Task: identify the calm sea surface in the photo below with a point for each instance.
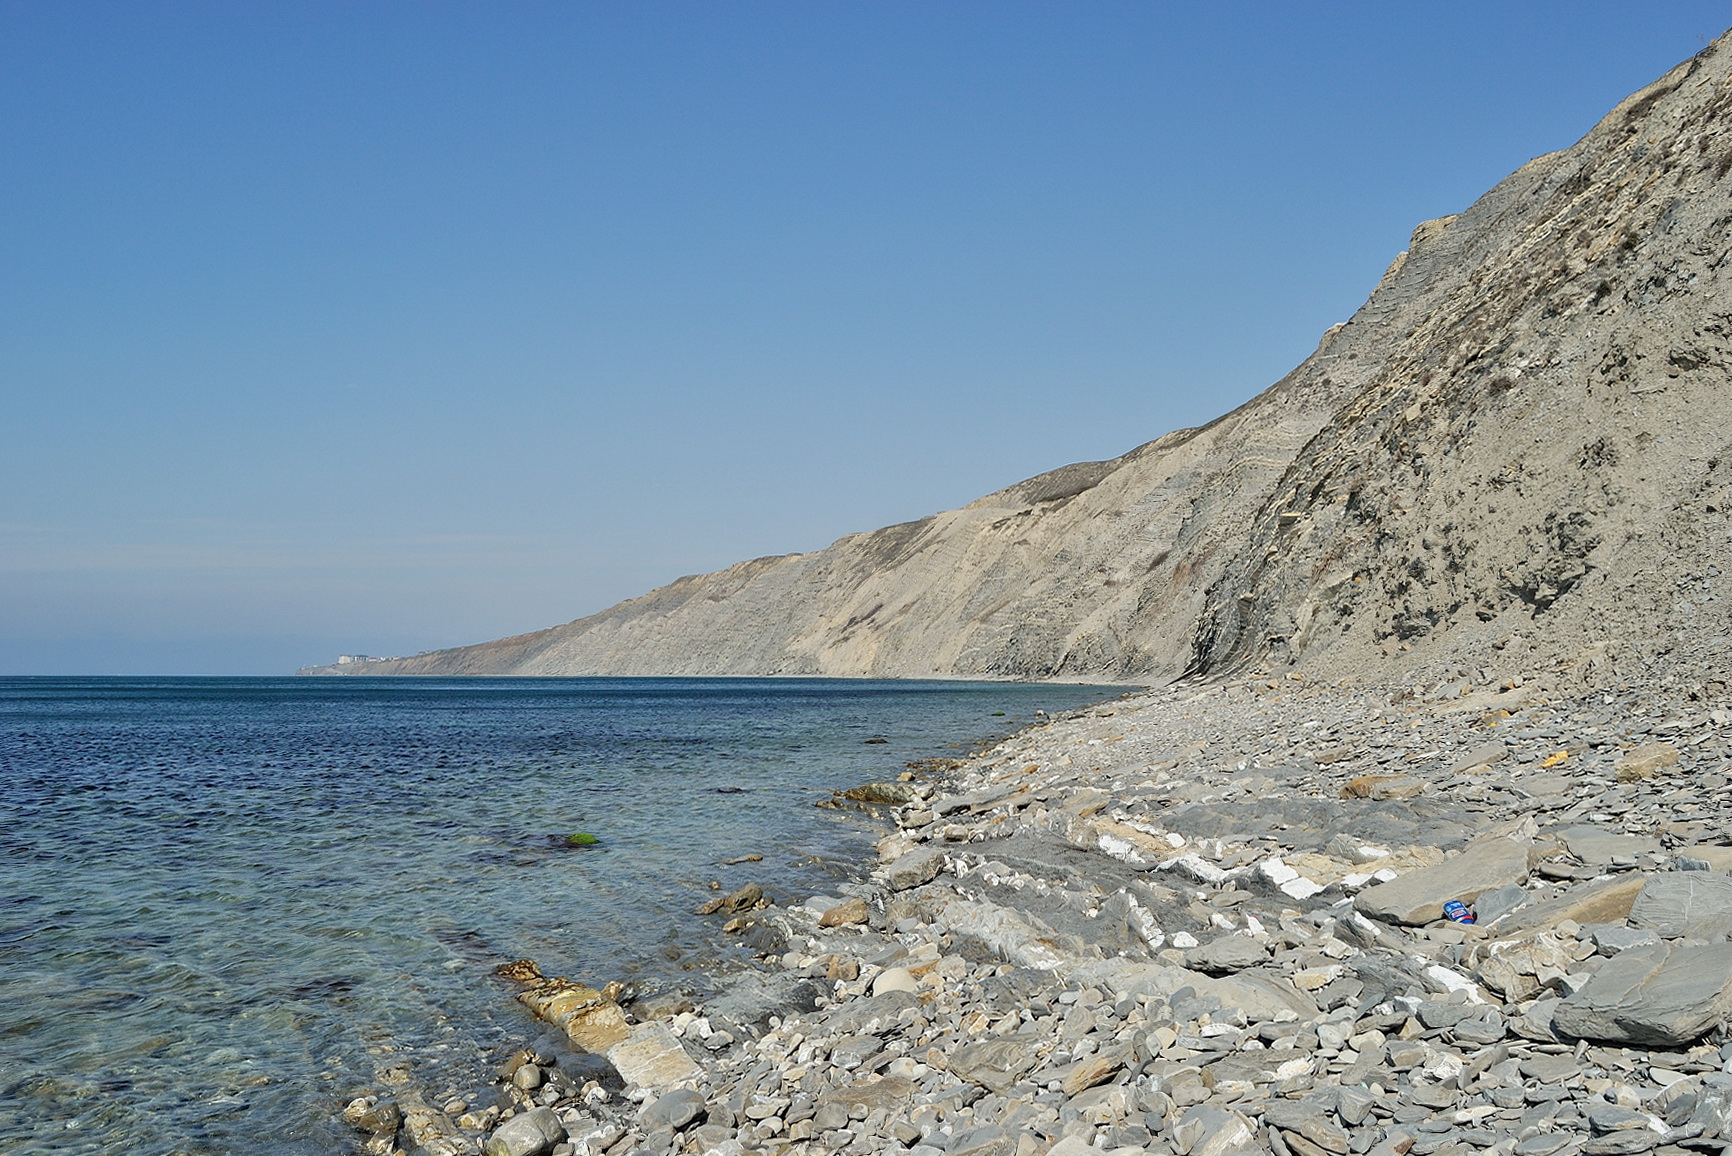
(226, 903)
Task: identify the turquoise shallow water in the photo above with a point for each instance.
(222, 900)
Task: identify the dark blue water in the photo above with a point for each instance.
(225, 904)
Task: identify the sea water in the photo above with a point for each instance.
(228, 904)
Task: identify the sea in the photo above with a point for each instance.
(228, 904)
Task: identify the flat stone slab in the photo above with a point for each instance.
(1259, 995)
(1661, 995)
(651, 1057)
(1602, 901)
(1685, 903)
(1008, 933)
(873, 1016)
(994, 1064)
(890, 1094)
(1417, 897)
(1599, 847)
(986, 1140)
(1229, 953)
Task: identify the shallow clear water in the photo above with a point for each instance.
(226, 903)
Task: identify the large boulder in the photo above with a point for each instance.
(1660, 995)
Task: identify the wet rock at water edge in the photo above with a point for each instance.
(742, 899)
(846, 913)
(913, 869)
(374, 1116)
(533, 1133)
(885, 794)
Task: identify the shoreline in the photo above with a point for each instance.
(1206, 919)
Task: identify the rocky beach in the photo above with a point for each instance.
(1201, 920)
(1421, 844)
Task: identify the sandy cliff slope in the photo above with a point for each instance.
(1522, 439)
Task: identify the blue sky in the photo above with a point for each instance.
(383, 327)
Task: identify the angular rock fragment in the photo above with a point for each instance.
(1645, 761)
(650, 1057)
(1600, 901)
(742, 899)
(1209, 1131)
(914, 868)
(592, 1021)
(673, 1110)
(995, 1064)
(1091, 1070)
(889, 1094)
(986, 1140)
(872, 1016)
(1227, 954)
(884, 793)
(846, 913)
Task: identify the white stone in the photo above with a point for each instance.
(1442, 979)
(1145, 926)
(1444, 1066)
(1121, 849)
(1276, 872)
(1195, 867)
(894, 979)
(1365, 926)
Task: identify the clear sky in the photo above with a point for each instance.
(381, 327)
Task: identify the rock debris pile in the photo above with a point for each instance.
(1210, 920)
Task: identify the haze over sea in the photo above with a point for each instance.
(227, 904)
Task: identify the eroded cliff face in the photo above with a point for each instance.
(1544, 465)
(1523, 438)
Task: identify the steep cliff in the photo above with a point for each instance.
(1543, 466)
(1523, 437)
